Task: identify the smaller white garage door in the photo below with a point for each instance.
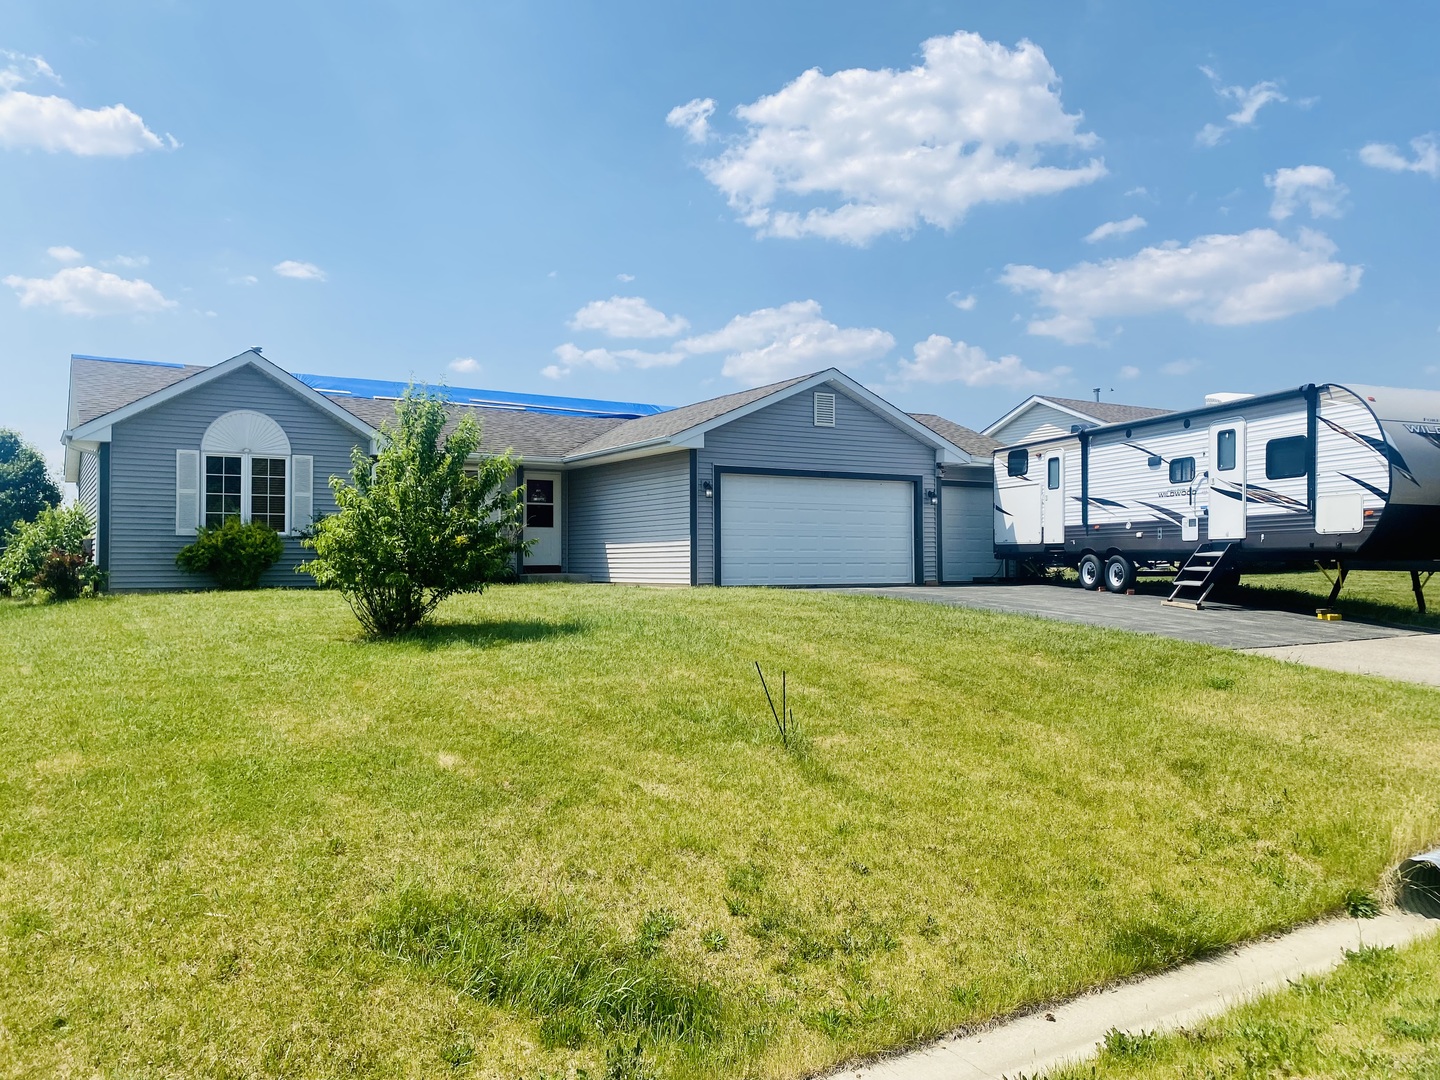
(967, 528)
(807, 530)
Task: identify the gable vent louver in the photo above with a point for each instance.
(824, 410)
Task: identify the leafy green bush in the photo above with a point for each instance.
(235, 555)
(413, 526)
(53, 535)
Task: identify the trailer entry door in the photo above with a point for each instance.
(1227, 480)
(1052, 498)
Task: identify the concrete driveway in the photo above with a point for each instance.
(1395, 652)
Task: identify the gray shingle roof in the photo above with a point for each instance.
(663, 425)
(972, 442)
(98, 387)
(529, 434)
(1107, 412)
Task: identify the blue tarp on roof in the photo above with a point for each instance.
(495, 399)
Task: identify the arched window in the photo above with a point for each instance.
(245, 462)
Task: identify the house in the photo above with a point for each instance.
(1042, 417)
(810, 481)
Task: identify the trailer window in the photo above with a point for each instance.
(1017, 463)
(1052, 474)
(1286, 458)
(1225, 450)
(1182, 470)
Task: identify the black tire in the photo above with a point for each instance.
(1091, 571)
(1119, 574)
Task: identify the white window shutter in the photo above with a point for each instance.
(302, 491)
(187, 492)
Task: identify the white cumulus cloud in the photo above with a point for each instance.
(964, 303)
(937, 359)
(85, 290)
(693, 118)
(1311, 186)
(301, 271)
(465, 365)
(1248, 101)
(860, 153)
(1222, 279)
(627, 317)
(64, 253)
(1180, 367)
(128, 262)
(1129, 371)
(792, 339)
(1426, 157)
(1115, 228)
(56, 124)
(571, 356)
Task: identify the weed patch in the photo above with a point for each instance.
(557, 965)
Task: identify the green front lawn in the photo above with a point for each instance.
(1378, 1015)
(236, 839)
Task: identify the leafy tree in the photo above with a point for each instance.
(25, 484)
(413, 528)
(234, 555)
(49, 553)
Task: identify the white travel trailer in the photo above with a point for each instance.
(1346, 476)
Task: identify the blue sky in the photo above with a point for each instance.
(656, 202)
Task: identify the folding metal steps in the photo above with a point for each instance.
(1199, 575)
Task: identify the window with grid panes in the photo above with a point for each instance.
(267, 492)
(222, 489)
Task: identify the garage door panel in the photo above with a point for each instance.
(805, 530)
(967, 532)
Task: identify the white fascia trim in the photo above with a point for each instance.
(652, 448)
(1031, 402)
(649, 446)
(249, 358)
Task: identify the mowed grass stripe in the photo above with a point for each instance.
(208, 804)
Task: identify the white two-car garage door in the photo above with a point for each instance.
(810, 530)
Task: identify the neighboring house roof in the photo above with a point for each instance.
(972, 442)
(1094, 412)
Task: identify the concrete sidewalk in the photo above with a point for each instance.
(1410, 659)
(1074, 1031)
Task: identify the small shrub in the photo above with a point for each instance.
(68, 577)
(32, 544)
(235, 555)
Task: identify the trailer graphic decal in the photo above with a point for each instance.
(1368, 487)
(1428, 432)
(1380, 446)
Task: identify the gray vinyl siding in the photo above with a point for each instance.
(87, 487)
(784, 436)
(630, 521)
(1037, 422)
(142, 540)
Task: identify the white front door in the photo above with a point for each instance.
(812, 530)
(542, 522)
(1227, 480)
(1052, 500)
